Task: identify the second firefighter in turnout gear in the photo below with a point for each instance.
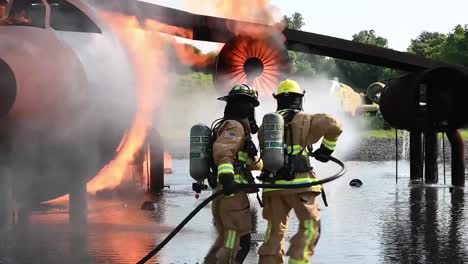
(234, 154)
(301, 131)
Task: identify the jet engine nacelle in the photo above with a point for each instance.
(258, 61)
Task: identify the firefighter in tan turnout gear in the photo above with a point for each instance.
(234, 154)
(301, 130)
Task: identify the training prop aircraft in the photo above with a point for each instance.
(67, 87)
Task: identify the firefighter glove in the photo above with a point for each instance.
(228, 183)
(323, 154)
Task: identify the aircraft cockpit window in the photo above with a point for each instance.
(67, 17)
(22, 13)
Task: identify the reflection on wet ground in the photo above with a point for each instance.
(376, 223)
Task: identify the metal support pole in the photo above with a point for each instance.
(6, 199)
(458, 157)
(431, 174)
(78, 202)
(24, 215)
(6, 186)
(157, 162)
(443, 154)
(148, 164)
(416, 156)
(396, 155)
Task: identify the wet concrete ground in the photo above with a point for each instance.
(376, 223)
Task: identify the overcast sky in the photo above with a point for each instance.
(397, 20)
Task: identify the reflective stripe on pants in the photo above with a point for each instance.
(232, 220)
(277, 207)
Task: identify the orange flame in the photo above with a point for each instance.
(156, 26)
(146, 52)
(189, 57)
(145, 46)
(185, 53)
(254, 11)
(258, 21)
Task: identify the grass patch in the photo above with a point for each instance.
(464, 133)
(382, 133)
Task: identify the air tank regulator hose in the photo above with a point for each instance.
(240, 187)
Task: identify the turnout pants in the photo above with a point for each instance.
(231, 215)
(277, 206)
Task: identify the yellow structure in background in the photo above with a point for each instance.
(350, 101)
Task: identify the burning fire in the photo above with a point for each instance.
(189, 57)
(146, 51)
(256, 57)
(145, 43)
(254, 11)
(185, 52)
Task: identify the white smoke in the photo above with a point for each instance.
(191, 105)
(184, 107)
(320, 99)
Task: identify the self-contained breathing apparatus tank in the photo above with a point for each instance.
(273, 144)
(200, 155)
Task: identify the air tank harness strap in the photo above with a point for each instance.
(212, 176)
(241, 167)
(297, 162)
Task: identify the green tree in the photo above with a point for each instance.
(428, 44)
(301, 62)
(451, 47)
(295, 21)
(305, 64)
(369, 37)
(455, 49)
(360, 75)
(186, 83)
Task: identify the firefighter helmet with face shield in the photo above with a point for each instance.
(242, 90)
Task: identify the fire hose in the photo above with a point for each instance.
(240, 187)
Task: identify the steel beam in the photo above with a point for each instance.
(215, 29)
